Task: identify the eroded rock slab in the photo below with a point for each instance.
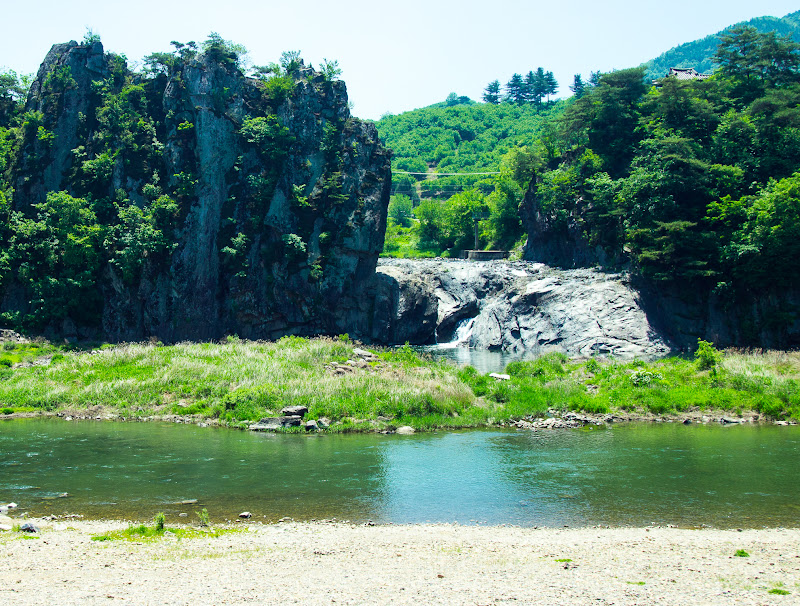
(523, 307)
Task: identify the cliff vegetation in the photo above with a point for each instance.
(186, 199)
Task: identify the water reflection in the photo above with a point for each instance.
(626, 475)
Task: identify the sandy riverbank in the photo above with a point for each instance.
(319, 563)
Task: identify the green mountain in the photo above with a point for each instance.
(464, 138)
(697, 54)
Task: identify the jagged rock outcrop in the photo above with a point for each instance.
(521, 306)
(264, 200)
(557, 239)
(681, 312)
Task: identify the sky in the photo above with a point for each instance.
(394, 56)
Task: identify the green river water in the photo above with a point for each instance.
(639, 474)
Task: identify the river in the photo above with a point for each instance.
(639, 474)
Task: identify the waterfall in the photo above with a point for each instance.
(462, 335)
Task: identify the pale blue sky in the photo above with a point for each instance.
(397, 56)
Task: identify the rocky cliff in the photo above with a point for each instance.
(682, 311)
(225, 204)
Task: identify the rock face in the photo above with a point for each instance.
(558, 241)
(683, 314)
(521, 306)
(280, 196)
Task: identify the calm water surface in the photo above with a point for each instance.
(625, 475)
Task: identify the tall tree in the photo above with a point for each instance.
(515, 90)
(491, 94)
(550, 85)
(578, 87)
(756, 61)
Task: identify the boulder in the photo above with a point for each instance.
(519, 307)
(294, 411)
(405, 430)
(274, 423)
(29, 527)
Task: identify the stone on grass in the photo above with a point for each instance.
(405, 430)
(292, 411)
(500, 377)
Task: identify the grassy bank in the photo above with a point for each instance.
(237, 382)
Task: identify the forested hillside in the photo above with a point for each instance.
(693, 184)
(699, 53)
(492, 145)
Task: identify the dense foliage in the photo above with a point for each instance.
(696, 179)
(693, 183)
(504, 139)
(699, 54)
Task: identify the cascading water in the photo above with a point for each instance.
(462, 334)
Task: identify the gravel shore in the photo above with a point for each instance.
(331, 563)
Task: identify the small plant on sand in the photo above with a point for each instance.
(741, 553)
(203, 515)
(777, 591)
(159, 521)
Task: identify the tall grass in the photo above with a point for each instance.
(241, 381)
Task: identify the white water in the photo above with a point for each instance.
(462, 335)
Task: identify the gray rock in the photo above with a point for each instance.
(274, 423)
(294, 411)
(311, 425)
(521, 307)
(245, 515)
(29, 527)
(405, 430)
(6, 527)
(304, 269)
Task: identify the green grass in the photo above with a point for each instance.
(741, 553)
(158, 530)
(238, 382)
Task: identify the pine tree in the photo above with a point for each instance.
(539, 88)
(515, 90)
(578, 87)
(550, 85)
(491, 93)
